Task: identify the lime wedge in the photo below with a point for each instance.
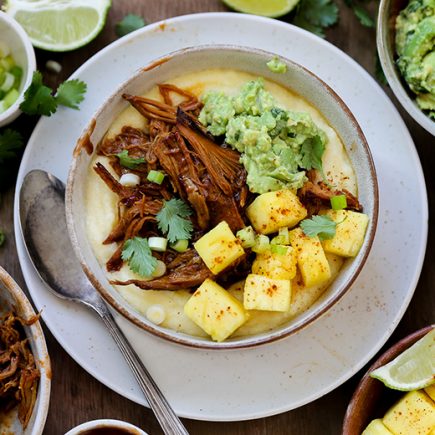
(59, 25)
(413, 369)
(266, 8)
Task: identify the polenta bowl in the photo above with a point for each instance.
(222, 197)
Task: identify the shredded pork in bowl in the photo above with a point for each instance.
(222, 207)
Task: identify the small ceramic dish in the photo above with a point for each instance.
(372, 398)
(12, 297)
(21, 48)
(253, 61)
(385, 39)
(106, 426)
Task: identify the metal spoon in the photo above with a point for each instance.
(43, 225)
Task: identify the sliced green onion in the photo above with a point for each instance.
(158, 244)
(11, 97)
(7, 62)
(3, 107)
(279, 249)
(180, 245)
(159, 270)
(8, 82)
(338, 202)
(283, 232)
(246, 236)
(17, 72)
(156, 176)
(262, 244)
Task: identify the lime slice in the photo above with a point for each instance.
(59, 25)
(266, 8)
(413, 369)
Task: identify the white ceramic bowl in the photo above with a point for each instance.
(304, 83)
(11, 296)
(385, 35)
(106, 424)
(21, 48)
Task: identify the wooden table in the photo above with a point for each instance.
(76, 396)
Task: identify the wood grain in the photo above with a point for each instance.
(76, 396)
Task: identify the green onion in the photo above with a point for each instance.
(338, 202)
(10, 78)
(155, 176)
(246, 236)
(158, 244)
(279, 249)
(180, 245)
(262, 244)
(8, 82)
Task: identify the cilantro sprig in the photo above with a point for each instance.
(127, 161)
(40, 100)
(312, 152)
(129, 23)
(322, 226)
(10, 142)
(316, 15)
(137, 253)
(172, 220)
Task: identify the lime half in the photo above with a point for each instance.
(266, 8)
(59, 25)
(413, 369)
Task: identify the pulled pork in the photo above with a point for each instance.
(205, 174)
(19, 375)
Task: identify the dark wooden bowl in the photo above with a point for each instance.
(371, 398)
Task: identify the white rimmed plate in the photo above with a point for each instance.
(237, 385)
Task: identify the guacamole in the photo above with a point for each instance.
(415, 46)
(277, 146)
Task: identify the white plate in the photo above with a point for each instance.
(239, 385)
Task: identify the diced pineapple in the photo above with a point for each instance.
(215, 310)
(312, 261)
(376, 427)
(430, 391)
(273, 210)
(349, 233)
(219, 248)
(414, 413)
(276, 266)
(262, 293)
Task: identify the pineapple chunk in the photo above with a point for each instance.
(312, 261)
(215, 310)
(273, 210)
(262, 293)
(349, 233)
(414, 413)
(219, 248)
(376, 427)
(276, 266)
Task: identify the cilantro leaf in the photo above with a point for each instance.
(312, 151)
(129, 23)
(10, 142)
(138, 254)
(316, 15)
(322, 226)
(172, 220)
(2, 238)
(127, 161)
(363, 16)
(71, 93)
(38, 99)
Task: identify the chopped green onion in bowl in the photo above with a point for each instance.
(10, 78)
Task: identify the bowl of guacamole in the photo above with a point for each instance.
(222, 198)
(406, 47)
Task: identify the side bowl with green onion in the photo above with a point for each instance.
(17, 64)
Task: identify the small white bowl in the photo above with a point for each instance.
(385, 35)
(122, 426)
(11, 296)
(24, 55)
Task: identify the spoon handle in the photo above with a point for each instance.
(166, 416)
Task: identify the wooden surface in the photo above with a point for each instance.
(76, 396)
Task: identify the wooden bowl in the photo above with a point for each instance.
(385, 40)
(253, 61)
(372, 398)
